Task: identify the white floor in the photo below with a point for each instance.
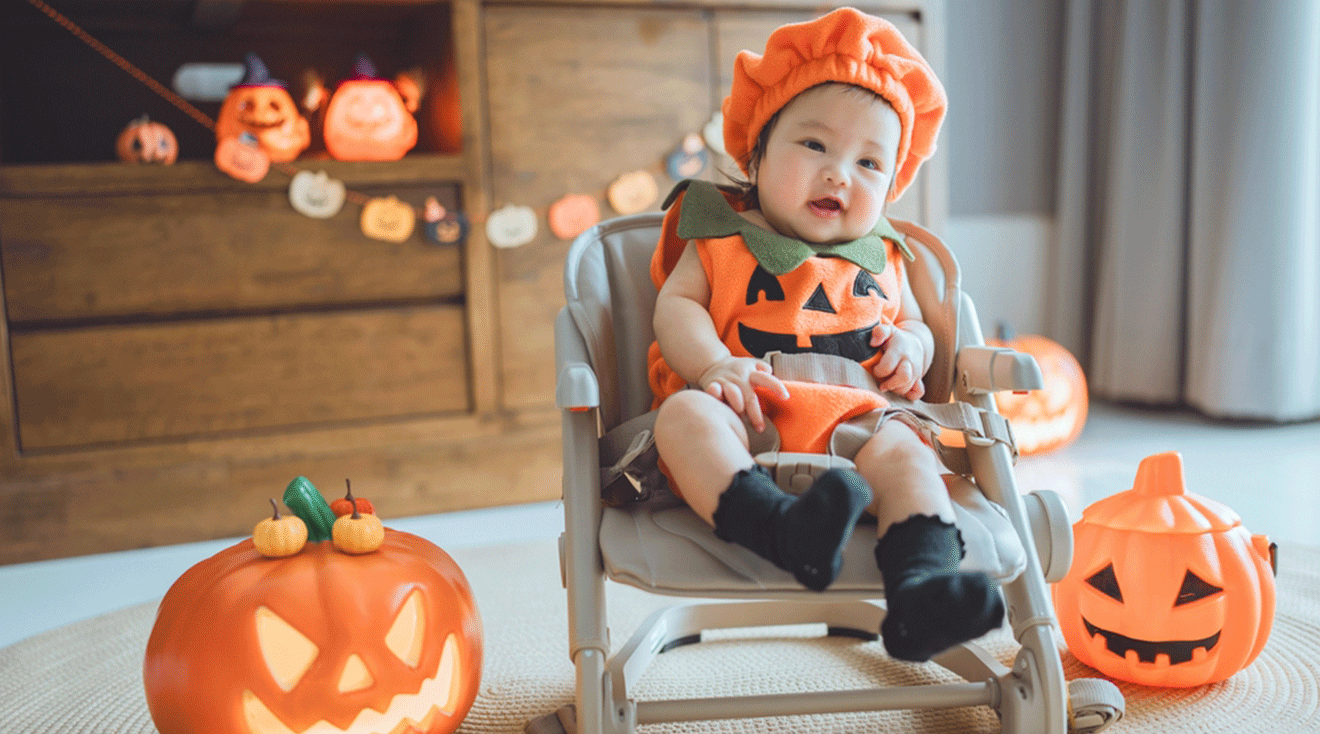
(1269, 474)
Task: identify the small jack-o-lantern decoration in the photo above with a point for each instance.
(263, 107)
(572, 215)
(1166, 588)
(369, 118)
(383, 641)
(316, 195)
(145, 141)
(633, 192)
(1052, 417)
(511, 226)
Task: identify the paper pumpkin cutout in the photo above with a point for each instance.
(242, 158)
(633, 192)
(146, 141)
(316, 195)
(688, 160)
(262, 106)
(386, 640)
(388, 219)
(1167, 588)
(572, 215)
(511, 226)
(452, 229)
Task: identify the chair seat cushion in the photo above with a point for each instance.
(663, 546)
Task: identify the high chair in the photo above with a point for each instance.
(659, 545)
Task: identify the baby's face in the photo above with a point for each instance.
(828, 165)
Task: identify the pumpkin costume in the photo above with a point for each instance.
(777, 294)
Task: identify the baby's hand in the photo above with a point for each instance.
(735, 379)
(899, 368)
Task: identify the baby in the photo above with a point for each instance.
(829, 125)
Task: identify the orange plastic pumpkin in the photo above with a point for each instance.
(1052, 417)
(384, 641)
(145, 141)
(369, 118)
(263, 107)
(1167, 588)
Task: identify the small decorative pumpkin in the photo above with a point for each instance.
(263, 107)
(386, 641)
(572, 215)
(345, 505)
(388, 219)
(1052, 417)
(358, 533)
(1167, 588)
(511, 226)
(369, 118)
(316, 195)
(279, 537)
(242, 158)
(633, 192)
(145, 141)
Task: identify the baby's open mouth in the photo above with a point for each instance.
(825, 205)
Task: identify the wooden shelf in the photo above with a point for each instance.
(46, 180)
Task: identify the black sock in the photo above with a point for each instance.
(803, 535)
(932, 606)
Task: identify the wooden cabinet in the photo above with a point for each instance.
(177, 345)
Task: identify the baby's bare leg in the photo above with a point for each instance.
(704, 443)
(931, 604)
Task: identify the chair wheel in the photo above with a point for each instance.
(1052, 532)
(1093, 704)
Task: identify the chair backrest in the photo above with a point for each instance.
(611, 299)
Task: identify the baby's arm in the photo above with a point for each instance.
(692, 348)
(908, 348)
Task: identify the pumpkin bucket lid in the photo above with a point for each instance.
(1159, 503)
(256, 74)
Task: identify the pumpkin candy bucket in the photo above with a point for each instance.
(374, 630)
(1166, 588)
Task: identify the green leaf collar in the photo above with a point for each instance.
(706, 213)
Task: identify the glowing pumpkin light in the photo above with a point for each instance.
(1052, 417)
(1167, 588)
(262, 107)
(379, 640)
(369, 118)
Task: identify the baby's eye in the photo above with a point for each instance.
(870, 163)
(815, 145)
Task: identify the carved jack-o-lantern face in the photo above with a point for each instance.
(1166, 588)
(270, 115)
(146, 141)
(842, 305)
(1053, 416)
(367, 120)
(381, 642)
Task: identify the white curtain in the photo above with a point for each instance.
(1187, 266)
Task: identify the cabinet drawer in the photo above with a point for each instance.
(124, 383)
(209, 252)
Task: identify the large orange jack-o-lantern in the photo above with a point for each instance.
(1167, 588)
(263, 107)
(356, 640)
(369, 118)
(1052, 417)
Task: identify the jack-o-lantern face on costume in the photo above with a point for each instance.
(267, 112)
(385, 641)
(1166, 588)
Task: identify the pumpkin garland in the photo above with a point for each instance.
(329, 637)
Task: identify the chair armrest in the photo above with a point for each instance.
(982, 370)
(575, 382)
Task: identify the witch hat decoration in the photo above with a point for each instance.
(363, 68)
(257, 75)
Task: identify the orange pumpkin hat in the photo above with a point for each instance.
(845, 46)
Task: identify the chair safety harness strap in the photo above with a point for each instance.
(630, 463)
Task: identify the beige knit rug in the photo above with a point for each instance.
(86, 678)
